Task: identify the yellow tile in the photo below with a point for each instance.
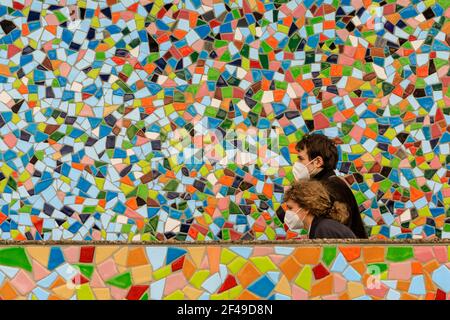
(65, 291)
(102, 293)
(121, 256)
(355, 290)
(197, 254)
(104, 252)
(40, 254)
(283, 286)
(122, 269)
(192, 293)
(141, 274)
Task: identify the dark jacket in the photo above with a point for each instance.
(339, 191)
(327, 228)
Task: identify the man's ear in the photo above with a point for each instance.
(320, 161)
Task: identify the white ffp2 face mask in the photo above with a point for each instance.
(292, 220)
(301, 171)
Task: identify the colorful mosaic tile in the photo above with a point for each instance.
(90, 93)
(263, 272)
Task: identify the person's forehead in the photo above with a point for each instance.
(291, 203)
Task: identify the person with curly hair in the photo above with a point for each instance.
(310, 207)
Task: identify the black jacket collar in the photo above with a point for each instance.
(324, 174)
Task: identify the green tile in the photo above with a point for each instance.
(86, 270)
(329, 253)
(122, 281)
(84, 292)
(264, 264)
(304, 278)
(237, 265)
(397, 254)
(15, 257)
(177, 295)
(226, 256)
(162, 272)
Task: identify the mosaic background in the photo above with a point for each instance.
(192, 272)
(90, 91)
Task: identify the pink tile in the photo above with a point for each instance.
(72, 254)
(339, 283)
(118, 294)
(380, 290)
(262, 251)
(331, 297)
(39, 272)
(400, 271)
(10, 140)
(205, 263)
(107, 269)
(321, 122)
(356, 133)
(96, 281)
(441, 253)
(276, 258)
(174, 282)
(298, 293)
(423, 254)
(23, 283)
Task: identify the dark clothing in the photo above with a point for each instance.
(339, 191)
(327, 228)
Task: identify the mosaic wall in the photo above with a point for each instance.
(225, 272)
(90, 93)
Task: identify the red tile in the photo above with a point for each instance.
(87, 254)
(320, 271)
(229, 283)
(178, 264)
(440, 295)
(136, 292)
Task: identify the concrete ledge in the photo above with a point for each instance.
(396, 242)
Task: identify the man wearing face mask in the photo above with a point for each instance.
(317, 160)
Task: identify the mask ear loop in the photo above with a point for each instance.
(303, 219)
(314, 167)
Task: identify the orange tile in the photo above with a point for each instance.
(188, 268)
(213, 258)
(429, 284)
(403, 285)
(248, 274)
(289, 267)
(336, 70)
(350, 252)
(7, 292)
(430, 296)
(322, 287)
(407, 296)
(359, 266)
(137, 257)
(416, 267)
(307, 255)
(431, 266)
(246, 295)
(59, 282)
(344, 296)
(307, 85)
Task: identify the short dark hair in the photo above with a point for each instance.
(320, 145)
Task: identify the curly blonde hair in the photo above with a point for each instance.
(311, 195)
